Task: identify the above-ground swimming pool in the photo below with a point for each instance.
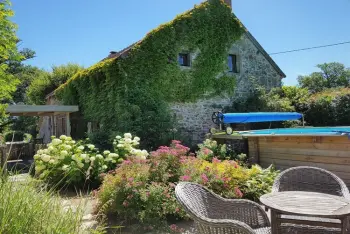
(316, 131)
(324, 147)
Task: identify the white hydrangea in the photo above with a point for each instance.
(63, 137)
(51, 148)
(40, 152)
(104, 167)
(113, 155)
(120, 145)
(128, 140)
(45, 157)
(52, 161)
(56, 141)
(137, 139)
(92, 159)
(127, 135)
(83, 156)
(68, 138)
(118, 137)
(106, 152)
(81, 147)
(91, 147)
(73, 142)
(99, 156)
(80, 164)
(145, 153)
(68, 147)
(64, 153)
(87, 160)
(65, 168)
(36, 156)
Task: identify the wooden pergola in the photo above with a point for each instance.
(43, 110)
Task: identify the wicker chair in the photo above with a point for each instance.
(214, 214)
(310, 179)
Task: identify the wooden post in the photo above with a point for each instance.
(3, 158)
(68, 129)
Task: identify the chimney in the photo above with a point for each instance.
(229, 3)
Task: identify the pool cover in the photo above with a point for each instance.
(259, 117)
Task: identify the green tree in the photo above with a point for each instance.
(332, 75)
(8, 52)
(46, 82)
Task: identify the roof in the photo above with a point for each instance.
(124, 52)
(265, 54)
(40, 110)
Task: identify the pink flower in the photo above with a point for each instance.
(238, 192)
(175, 142)
(207, 151)
(204, 178)
(131, 179)
(127, 162)
(147, 193)
(125, 203)
(185, 178)
(216, 160)
(173, 227)
(177, 209)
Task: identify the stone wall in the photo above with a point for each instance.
(194, 119)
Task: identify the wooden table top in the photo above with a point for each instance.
(307, 204)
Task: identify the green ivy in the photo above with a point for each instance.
(133, 93)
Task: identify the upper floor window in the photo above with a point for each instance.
(232, 63)
(184, 59)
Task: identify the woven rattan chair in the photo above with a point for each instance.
(213, 214)
(310, 179)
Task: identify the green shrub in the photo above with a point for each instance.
(210, 149)
(14, 136)
(26, 208)
(329, 108)
(67, 162)
(143, 190)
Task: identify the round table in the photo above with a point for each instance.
(306, 204)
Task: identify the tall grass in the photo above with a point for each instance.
(29, 207)
(26, 207)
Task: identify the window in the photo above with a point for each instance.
(232, 63)
(184, 59)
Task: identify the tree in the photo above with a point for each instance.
(332, 75)
(8, 52)
(47, 82)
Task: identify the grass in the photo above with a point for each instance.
(26, 207)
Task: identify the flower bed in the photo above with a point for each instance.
(143, 190)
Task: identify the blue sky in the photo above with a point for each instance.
(85, 31)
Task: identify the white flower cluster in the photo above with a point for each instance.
(64, 154)
(127, 146)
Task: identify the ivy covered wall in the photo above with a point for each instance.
(133, 93)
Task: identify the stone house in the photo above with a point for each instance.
(245, 59)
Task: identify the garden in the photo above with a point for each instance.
(135, 189)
